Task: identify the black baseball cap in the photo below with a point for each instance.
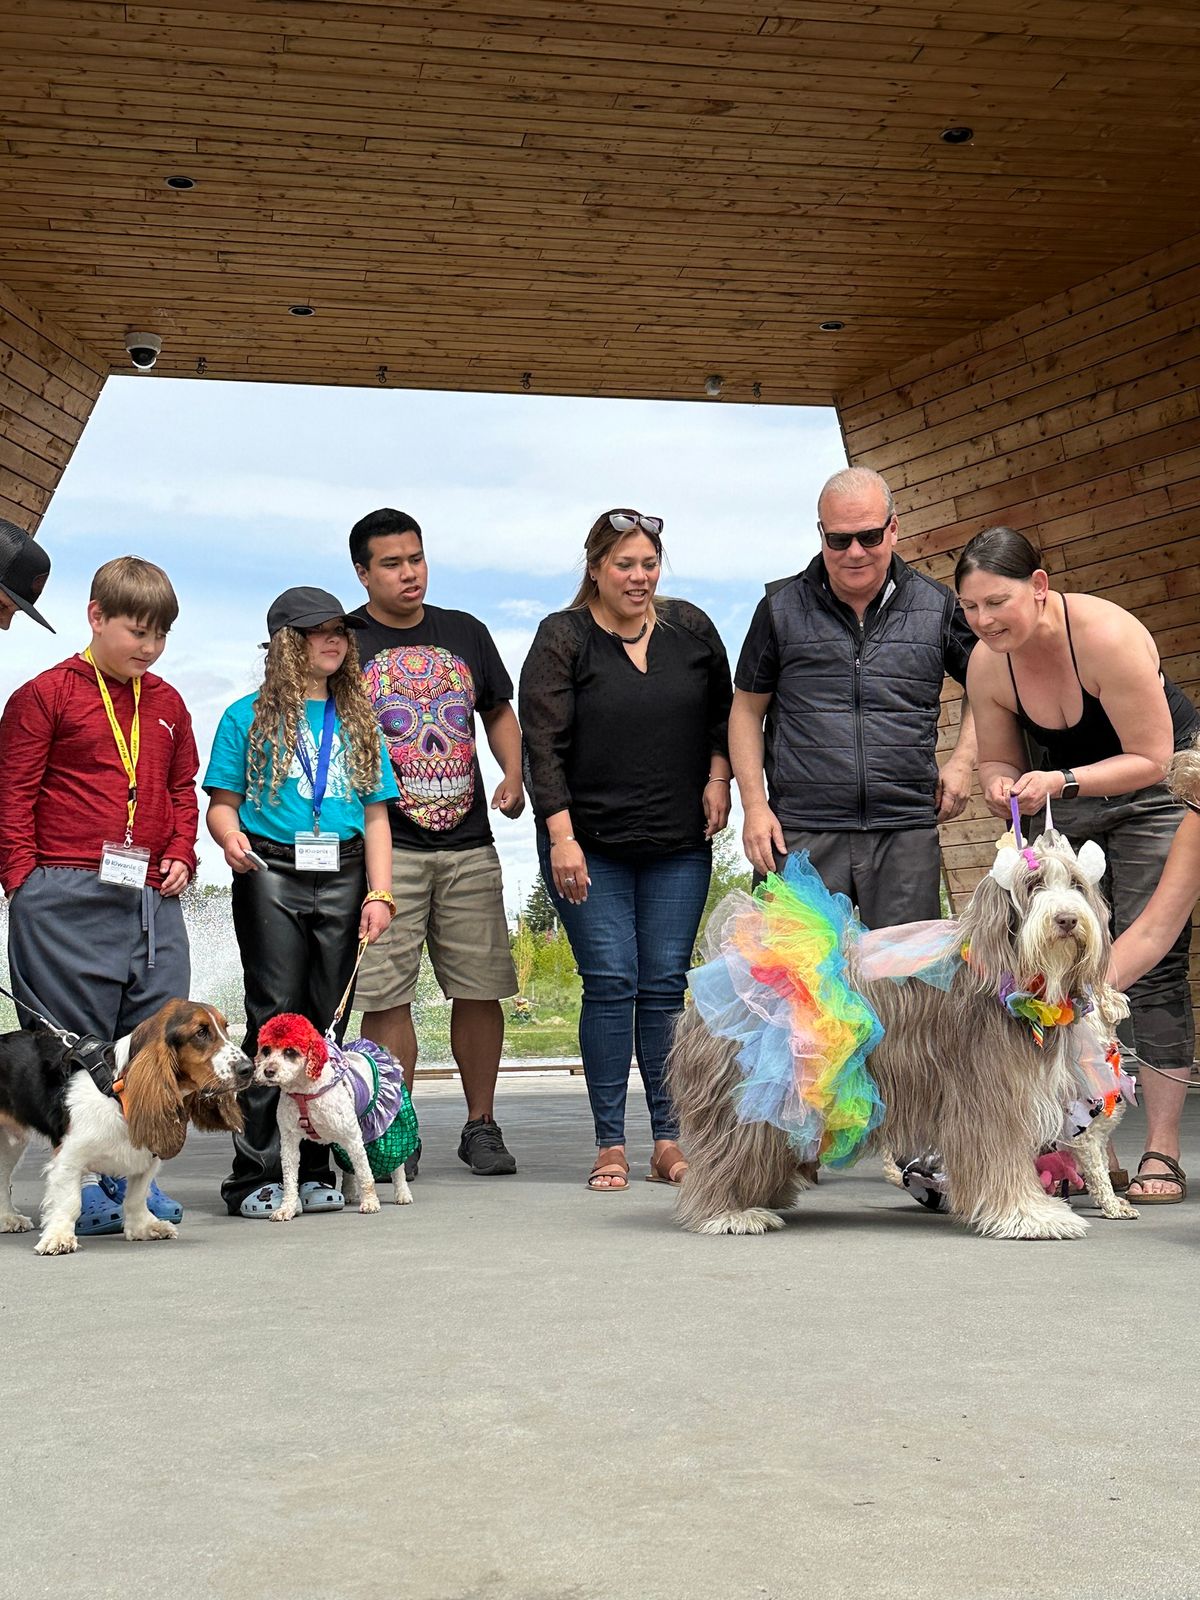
(24, 568)
(308, 608)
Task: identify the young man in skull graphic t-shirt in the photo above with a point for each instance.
(433, 675)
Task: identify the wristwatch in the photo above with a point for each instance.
(1070, 786)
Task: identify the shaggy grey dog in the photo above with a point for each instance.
(956, 1072)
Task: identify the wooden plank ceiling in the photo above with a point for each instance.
(610, 198)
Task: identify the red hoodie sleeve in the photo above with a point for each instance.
(26, 732)
(181, 787)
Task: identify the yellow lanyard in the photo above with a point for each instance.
(127, 752)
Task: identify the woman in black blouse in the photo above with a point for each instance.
(624, 701)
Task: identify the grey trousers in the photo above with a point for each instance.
(98, 958)
(890, 876)
(1135, 832)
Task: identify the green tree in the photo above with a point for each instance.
(539, 910)
(524, 943)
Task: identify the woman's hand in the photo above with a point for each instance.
(716, 806)
(1033, 789)
(996, 794)
(568, 868)
(236, 846)
(376, 918)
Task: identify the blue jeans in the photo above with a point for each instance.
(632, 940)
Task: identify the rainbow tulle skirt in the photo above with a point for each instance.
(776, 982)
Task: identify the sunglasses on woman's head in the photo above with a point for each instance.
(869, 538)
(627, 521)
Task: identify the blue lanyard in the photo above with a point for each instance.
(319, 781)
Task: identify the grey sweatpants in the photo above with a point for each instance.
(891, 877)
(81, 951)
(1135, 832)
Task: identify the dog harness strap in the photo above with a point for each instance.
(302, 1100)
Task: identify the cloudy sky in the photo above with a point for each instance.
(241, 490)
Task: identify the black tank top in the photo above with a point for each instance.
(1093, 737)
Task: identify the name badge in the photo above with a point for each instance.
(318, 852)
(126, 864)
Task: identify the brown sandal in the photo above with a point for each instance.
(615, 1168)
(1174, 1174)
(669, 1167)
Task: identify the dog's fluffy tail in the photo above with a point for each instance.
(739, 1174)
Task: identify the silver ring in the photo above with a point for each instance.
(568, 880)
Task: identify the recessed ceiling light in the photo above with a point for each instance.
(301, 311)
(178, 181)
(832, 326)
(959, 135)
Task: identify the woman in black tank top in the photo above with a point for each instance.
(1079, 713)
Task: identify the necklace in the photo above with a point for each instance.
(637, 638)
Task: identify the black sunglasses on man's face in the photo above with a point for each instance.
(869, 538)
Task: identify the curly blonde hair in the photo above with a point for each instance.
(279, 714)
(1183, 775)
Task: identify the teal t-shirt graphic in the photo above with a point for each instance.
(291, 812)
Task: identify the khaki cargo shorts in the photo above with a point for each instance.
(452, 901)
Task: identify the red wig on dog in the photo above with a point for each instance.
(290, 1032)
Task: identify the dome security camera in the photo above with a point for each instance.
(143, 349)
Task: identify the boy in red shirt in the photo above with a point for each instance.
(98, 822)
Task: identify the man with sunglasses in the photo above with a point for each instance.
(845, 663)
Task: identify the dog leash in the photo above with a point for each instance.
(345, 1000)
(67, 1037)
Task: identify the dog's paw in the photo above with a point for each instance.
(57, 1242)
(370, 1204)
(154, 1228)
(1054, 1222)
(1118, 1210)
(403, 1194)
(15, 1222)
(755, 1220)
(286, 1212)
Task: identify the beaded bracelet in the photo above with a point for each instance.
(383, 897)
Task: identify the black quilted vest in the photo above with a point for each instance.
(852, 730)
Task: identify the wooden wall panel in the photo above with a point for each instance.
(1077, 421)
(48, 385)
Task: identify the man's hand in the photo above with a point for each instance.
(509, 798)
(953, 789)
(762, 838)
(376, 918)
(175, 877)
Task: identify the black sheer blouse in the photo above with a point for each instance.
(626, 752)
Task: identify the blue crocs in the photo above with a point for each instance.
(316, 1196)
(100, 1213)
(263, 1201)
(160, 1205)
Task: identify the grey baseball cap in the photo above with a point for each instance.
(308, 608)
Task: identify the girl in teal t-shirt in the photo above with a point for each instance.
(297, 777)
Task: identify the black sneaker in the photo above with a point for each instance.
(412, 1165)
(482, 1148)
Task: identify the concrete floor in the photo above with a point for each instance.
(517, 1390)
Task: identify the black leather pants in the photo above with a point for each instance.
(298, 937)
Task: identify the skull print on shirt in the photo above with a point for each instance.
(424, 698)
